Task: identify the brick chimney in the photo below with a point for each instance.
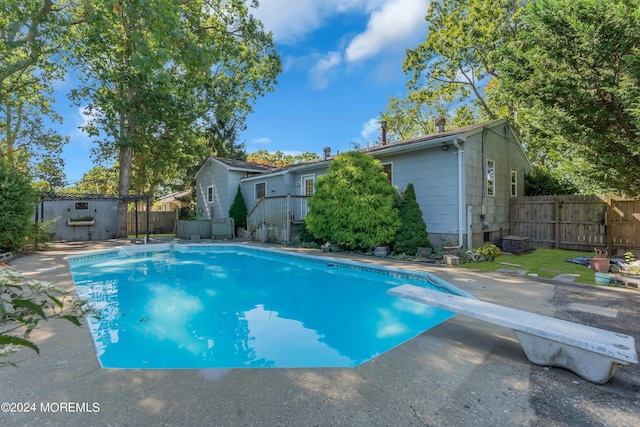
(327, 152)
(383, 128)
(440, 122)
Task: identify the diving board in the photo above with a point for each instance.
(592, 353)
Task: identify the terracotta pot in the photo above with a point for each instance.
(600, 265)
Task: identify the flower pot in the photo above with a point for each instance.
(603, 279)
(600, 265)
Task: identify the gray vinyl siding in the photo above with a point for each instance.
(504, 150)
(225, 183)
(433, 173)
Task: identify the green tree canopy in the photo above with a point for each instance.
(453, 73)
(542, 182)
(34, 36)
(154, 72)
(577, 78)
(279, 158)
(353, 204)
(16, 207)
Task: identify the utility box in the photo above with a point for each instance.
(515, 244)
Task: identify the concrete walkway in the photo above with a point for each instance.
(463, 372)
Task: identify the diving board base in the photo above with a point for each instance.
(591, 366)
(593, 354)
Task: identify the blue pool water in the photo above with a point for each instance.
(223, 307)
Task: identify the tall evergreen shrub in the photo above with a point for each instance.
(17, 200)
(413, 230)
(238, 210)
(352, 204)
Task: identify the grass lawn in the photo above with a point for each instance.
(546, 263)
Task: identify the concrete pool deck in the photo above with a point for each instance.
(462, 372)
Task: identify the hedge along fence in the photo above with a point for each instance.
(578, 222)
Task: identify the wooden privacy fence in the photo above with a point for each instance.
(577, 222)
(160, 222)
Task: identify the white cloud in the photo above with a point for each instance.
(371, 129)
(396, 22)
(291, 20)
(323, 69)
(263, 140)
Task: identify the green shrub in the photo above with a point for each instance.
(238, 210)
(488, 251)
(16, 207)
(25, 303)
(353, 204)
(413, 230)
(542, 182)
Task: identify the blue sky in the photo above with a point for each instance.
(342, 59)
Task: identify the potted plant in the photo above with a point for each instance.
(600, 262)
(488, 251)
(326, 246)
(450, 247)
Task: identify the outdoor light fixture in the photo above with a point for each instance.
(445, 147)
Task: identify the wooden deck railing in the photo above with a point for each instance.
(282, 211)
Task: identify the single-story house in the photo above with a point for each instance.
(217, 182)
(173, 201)
(463, 179)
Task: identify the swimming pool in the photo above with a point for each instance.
(225, 306)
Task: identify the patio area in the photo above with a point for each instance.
(462, 372)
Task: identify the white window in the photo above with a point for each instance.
(514, 183)
(260, 190)
(210, 194)
(491, 178)
(307, 185)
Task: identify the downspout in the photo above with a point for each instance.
(461, 211)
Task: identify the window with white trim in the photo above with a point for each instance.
(260, 190)
(210, 194)
(491, 178)
(307, 185)
(514, 182)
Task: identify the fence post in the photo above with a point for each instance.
(557, 224)
(288, 220)
(608, 215)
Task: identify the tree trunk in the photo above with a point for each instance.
(126, 157)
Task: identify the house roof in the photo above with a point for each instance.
(173, 196)
(393, 147)
(237, 165)
(439, 136)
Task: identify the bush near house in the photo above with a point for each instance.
(353, 204)
(238, 210)
(413, 230)
(16, 207)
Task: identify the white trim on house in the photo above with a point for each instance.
(303, 184)
(211, 193)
